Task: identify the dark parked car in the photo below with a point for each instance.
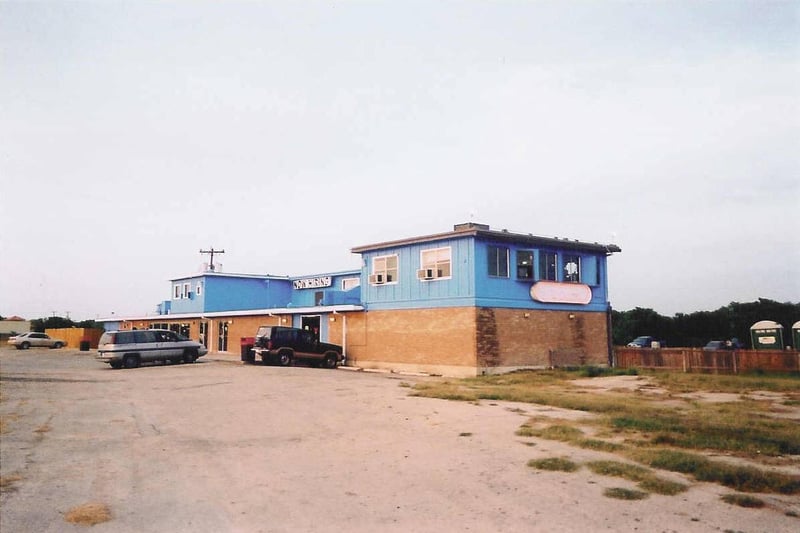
(283, 345)
(732, 344)
(645, 341)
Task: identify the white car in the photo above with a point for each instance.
(23, 341)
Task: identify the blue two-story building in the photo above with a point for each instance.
(464, 302)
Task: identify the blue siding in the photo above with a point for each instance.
(333, 295)
(234, 294)
(410, 292)
(515, 293)
(471, 284)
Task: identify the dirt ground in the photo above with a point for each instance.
(218, 446)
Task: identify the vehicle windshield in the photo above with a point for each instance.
(263, 331)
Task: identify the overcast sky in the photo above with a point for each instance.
(132, 134)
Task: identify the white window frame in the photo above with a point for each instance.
(436, 260)
(350, 283)
(186, 288)
(389, 275)
(176, 291)
(198, 290)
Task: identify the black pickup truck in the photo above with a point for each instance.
(283, 345)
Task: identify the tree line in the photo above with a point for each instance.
(696, 329)
(56, 322)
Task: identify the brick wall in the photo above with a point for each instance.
(415, 339)
(509, 338)
(470, 341)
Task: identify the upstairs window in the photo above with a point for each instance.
(185, 290)
(384, 270)
(199, 289)
(435, 264)
(176, 292)
(525, 264)
(547, 266)
(350, 283)
(498, 261)
(572, 268)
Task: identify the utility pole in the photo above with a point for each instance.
(212, 251)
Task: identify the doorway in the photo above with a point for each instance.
(311, 323)
(222, 337)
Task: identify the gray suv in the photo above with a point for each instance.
(130, 349)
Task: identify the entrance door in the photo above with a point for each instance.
(204, 333)
(222, 338)
(311, 323)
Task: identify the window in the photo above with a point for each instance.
(384, 270)
(572, 268)
(434, 264)
(319, 297)
(199, 289)
(176, 291)
(525, 264)
(185, 290)
(350, 283)
(547, 266)
(498, 261)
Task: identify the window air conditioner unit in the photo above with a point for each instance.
(428, 273)
(376, 279)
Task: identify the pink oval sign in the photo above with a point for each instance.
(561, 293)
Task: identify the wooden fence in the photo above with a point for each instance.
(74, 336)
(709, 361)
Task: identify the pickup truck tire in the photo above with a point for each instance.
(285, 358)
(331, 360)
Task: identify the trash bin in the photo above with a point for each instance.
(85, 345)
(247, 344)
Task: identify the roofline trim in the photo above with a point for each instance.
(503, 235)
(249, 312)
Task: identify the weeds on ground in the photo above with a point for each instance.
(657, 433)
(559, 464)
(625, 494)
(647, 481)
(743, 500)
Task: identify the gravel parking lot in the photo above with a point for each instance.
(218, 446)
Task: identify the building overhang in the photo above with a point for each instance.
(482, 231)
(311, 310)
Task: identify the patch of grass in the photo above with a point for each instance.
(743, 500)
(743, 428)
(741, 478)
(599, 445)
(559, 464)
(88, 514)
(647, 481)
(625, 494)
(617, 469)
(662, 486)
